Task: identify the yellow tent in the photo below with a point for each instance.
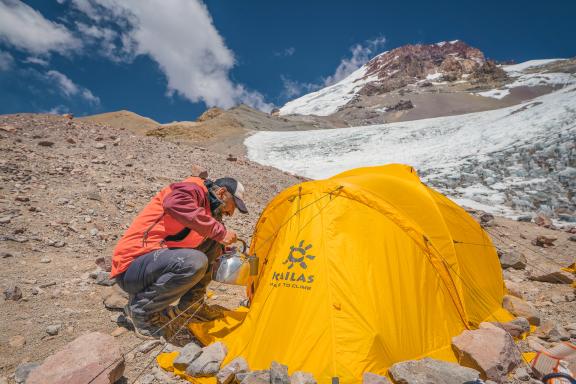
(360, 271)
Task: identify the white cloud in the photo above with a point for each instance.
(26, 29)
(89, 96)
(108, 41)
(36, 60)
(68, 88)
(360, 55)
(292, 88)
(180, 37)
(6, 61)
(58, 110)
(285, 52)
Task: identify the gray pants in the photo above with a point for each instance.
(158, 278)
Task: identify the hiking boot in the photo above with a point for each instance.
(199, 311)
(152, 327)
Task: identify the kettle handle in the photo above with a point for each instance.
(243, 245)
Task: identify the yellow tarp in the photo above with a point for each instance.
(572, 269)
(360, 271)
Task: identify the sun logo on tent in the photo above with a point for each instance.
(298, 255)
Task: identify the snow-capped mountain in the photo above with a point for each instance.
(513, 160)
(422, 81)
(389, 71)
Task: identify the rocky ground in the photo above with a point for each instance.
(70, 188)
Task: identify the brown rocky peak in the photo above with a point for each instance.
(209, 114)
(418, 60)
(411, 63)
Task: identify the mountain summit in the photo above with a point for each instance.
(421, 81)
(415, 64)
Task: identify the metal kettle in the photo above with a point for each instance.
(235, 267)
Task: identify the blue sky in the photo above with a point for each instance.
(170, 59)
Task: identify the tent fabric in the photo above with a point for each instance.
(360, 271)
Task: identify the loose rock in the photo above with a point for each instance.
(522, 374)
(81, 361)
(551, 331)
(227, 374)
(118, 331)
(489, 348)
(148, 346)
(487, 220)
(208, 363)
(147, 379)
(431, 371)
(514, 289)
(199, 171)
(279, 373)
(512, 259)
(551, 274)
(13, 293)
(544, 241)
(53, 329)
(515, 327)
(23, 371)
(187, 355)
(115, 301)
(103, 278)
(372, 378)
(300, 377)
(543, 221)
(521, 308)
(254, 377)
(17, 341)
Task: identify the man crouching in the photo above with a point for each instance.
(167, 251)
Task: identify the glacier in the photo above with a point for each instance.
(502, 161)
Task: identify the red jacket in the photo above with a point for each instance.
(178, 216)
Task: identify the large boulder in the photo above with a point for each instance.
(489, 349)
(521, 308)
(431, 371)
(91, 358)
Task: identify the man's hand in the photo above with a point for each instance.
(230, 237)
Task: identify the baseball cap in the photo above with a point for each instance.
(236, 189)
